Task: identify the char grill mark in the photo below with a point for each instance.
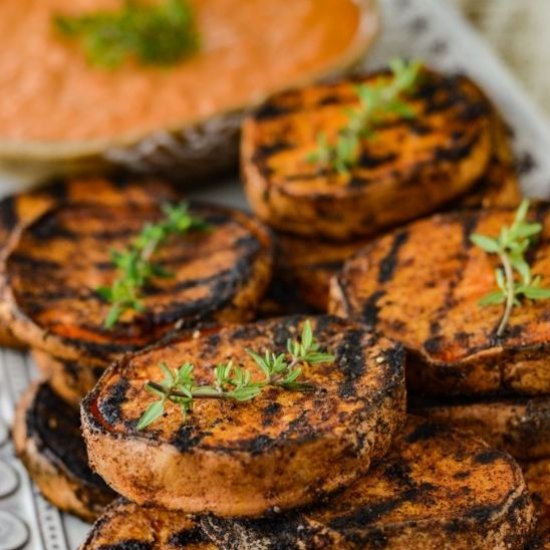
(186, 438)
(57, 426)
(128, 526)
(8, 217)
(352, 525)
(272, 110)
(349, 357)
(271, 433)
(188, 536)
(111, 406)
(436, 95)
(468, 224)
(284, 331)
(457, 151)
(269, 412)
(130, 544)
(487, 457)
(439, 95)
(405, 502)
(283, 532)
(431, 304)
(194, 297)
(371, 308)
(34, 265)
(423, 432)
(100, 349)
(390, 262)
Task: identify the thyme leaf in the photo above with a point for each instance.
(135, 266)
(154, 33)
(376, 102)
(234, 382)
(513, 278)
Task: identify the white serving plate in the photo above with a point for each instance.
(430, 30)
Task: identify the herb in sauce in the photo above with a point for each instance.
(376, 102)
(234, 382)
(514, 278)
(135, 265)
(155, 34)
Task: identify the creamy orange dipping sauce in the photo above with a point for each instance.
(49, 92)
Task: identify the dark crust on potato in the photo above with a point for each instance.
(58, 261)
(436, 488)
(449, 140)
(499, 187)
(49, 443)
(520, 426)
(281, 299)
(271, 452)
(421, 285)
(307, 265)
(127, 526)
(21, 209)
(71, 380)
(537, 476)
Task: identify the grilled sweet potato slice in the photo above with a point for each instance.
(281, 299)
(57, 263)
(537, 476)
(409, 169)
(436, 489)
(279, 450)
(520, 426)
(499, 186)
(48, 440)
(127, 526)
(70, 380)
(307, 265)
(18, 210)
(421, 285)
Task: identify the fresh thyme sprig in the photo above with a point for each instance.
(234, 382)
(376, 102)
(514, 278)
(135, 266)
(155, 33)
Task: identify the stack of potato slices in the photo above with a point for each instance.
(57, 257)
(454, 152)
(223, 426)
(460, 369)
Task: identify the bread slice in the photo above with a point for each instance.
(127, 526)
(21, 209)
(57, 263)
(437, 489)
(422, 283)
(520, 426)
(410, 168)
(279, 450)
(70, 380)
(47, 439)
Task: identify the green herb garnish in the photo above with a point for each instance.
(135, 264)
(376, 102)
(233, 382)
(154, 33)
(513, 278)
